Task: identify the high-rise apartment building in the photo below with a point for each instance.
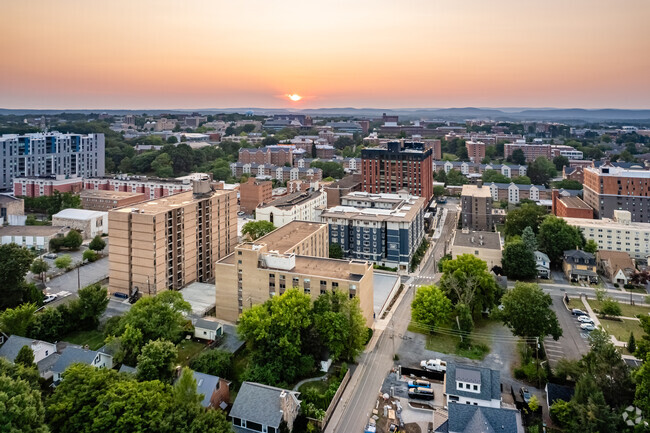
(254, 193)
(169, 242)
(50, 155)
(401, 165)
(293, 256)
(531, 151)
(475, 150)
(476, 207)
(609, 188)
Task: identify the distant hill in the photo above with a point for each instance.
(506, 114)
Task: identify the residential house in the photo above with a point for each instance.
(44, 352)
(579, 266)
(215, 390)
(484, 245)
(74, 354)
(478, 386)
(543, 265)
(556, 392)
(616, 266)
(207, 329)
(463, 418)
(262, 408)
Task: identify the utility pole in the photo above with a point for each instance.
(537, 359)
(78, 279)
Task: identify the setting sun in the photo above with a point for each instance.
(295, 97)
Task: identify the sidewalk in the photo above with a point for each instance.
(594, 317)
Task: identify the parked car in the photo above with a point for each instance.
(419, 383)
(587, 327)
(49, 298)
(121, 295)
(421, 393)
(51, 255)
(578, 312)
(525, 394)
(585, 319)
(434, 365)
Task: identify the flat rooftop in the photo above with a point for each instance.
(402, 210)
(478, 239)
(293, 199)
(475, 191)
(164, 204)
(620, 172)
(109, 195)
(290, 235)
(574, 203)
(31, 230)
(607, 223)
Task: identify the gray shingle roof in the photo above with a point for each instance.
(465, 418)
(259, 403)
(72, 355)
(207, 324)
(12, 346)
(206, 384)
(127, 369)
(490, 382)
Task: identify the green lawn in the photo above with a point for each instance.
(627, 310)
(94, 338)
(188, 350)
(449, 157)
(319, 386)
(576, 303)
(622, 329)
(445, 343)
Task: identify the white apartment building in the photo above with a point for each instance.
(617, 234)
(50, 154)
(297, 206)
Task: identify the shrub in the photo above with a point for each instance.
(90, 255)
(616, 285)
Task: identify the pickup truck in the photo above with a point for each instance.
(434, 365)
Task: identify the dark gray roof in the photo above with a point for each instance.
(206, 384)
(465, 418)
(490, 382)
(467, 375)
(72, 355)
(579, 256)
(556, 392)
(259, 403)
(207, 324)
(12, 346)
(231, 342)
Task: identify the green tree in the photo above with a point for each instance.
(97, 244)
(528, 215)
(156, 361)
(40, 267)
(163, 166)
(15, 262)
(430, 306)
(521, 180)
(25, 357)
(631, 343)
(466, 280)
(89, 256)
(560, 162)
(330, 168)
(518, 157)
(16, 321)
(184, 390)
(214, 362)
(21, 406)
(567, 184)
(47, 325)
(610, 307)
(90, 305)
(529, 239)
(340, 323)
(455, 177)
(336, 252)
(556, 236)
(490, 176)
(257, 229)
(527, 312)
(541, 171)
(73, 240)
(63, 262)
(274, 332)
(128, 345)
(642, 392)
(518, 261)
(438, 190)
(591, 246)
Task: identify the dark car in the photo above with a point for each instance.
(578, 312)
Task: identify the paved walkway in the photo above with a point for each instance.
(594, 317)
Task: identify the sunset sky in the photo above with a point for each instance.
(146, 54)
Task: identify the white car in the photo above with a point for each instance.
(587, 327)
(49, 298)
(585, 319)
(434, 365)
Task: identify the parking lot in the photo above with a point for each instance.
(574, 342)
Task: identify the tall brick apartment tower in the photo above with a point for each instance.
(401, 165)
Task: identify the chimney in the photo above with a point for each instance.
(479, 183)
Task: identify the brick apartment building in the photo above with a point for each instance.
(608, 188)
(46, 185)
(475, 150)
(476, 207)
(275, 155)
(151, 187)
(341, 188)
(254, 193)
(531, 151)
(170, 242)
(401, 165)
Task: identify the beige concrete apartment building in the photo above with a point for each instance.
(484, 245)
(295, 255)
(105, 200)
(169, 242)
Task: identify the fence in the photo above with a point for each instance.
(418, 372)
(330, 409)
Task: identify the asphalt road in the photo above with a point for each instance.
(573, 343)
(87, 274)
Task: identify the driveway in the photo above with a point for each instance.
(573, 344)
(81, 277)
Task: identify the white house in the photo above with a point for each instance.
(74, 354)
(89, 222)
(543, 264)
(43, 351)
(478, 386)
(207, 329)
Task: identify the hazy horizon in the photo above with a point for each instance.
(72, 54)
